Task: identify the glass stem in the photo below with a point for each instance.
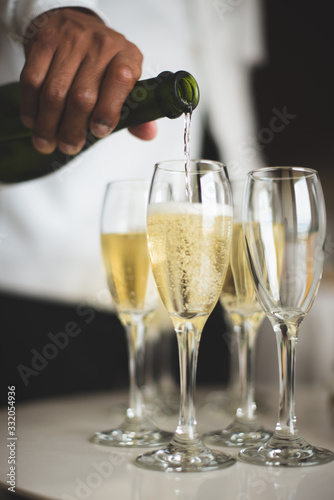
(233, 345)
(188, 342)
(286, 336)
(136, 347)
(246, 336)
(150, 389)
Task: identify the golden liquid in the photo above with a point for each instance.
(189, 255)
(238, 294)
(268, 251)
(126, 262)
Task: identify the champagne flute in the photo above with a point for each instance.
(239, 301)
(189, 229)
(284, 222)
(126, 261)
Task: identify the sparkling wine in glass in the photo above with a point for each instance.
(189, 242)
(127, 265)
(284, 221)
(245, 314)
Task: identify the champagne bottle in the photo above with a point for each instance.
(167, 95)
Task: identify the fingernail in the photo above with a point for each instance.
(100, 129)
(68, 149)
(42, 145)
(27, 121)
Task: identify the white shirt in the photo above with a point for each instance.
(49, 227)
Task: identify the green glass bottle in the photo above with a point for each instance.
(167, 95)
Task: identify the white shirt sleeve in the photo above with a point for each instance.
(18, 14)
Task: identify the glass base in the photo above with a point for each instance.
(286, 452)
(238, 434)
(133, 434)
(181, 458)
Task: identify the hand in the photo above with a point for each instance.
(76, 77)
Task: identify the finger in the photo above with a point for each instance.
(146, 131)
(122, 73)
(53, 96)
(38, 59)
(80, 103)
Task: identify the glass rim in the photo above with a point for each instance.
(163, 165)
(257, 174)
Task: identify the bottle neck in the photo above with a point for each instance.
(167, 95)
(179, 94)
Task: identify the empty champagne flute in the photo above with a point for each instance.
(239, 301)
(189, 227)
(126, 261)
(284, 222)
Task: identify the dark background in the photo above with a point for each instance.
(298, 74)
(95, 359)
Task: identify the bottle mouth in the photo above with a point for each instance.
(187, 90)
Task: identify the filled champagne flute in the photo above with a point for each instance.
(245, 314)
(189, 228)
(284, 221)
(132, 287)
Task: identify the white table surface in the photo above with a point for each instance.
(55, 459)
